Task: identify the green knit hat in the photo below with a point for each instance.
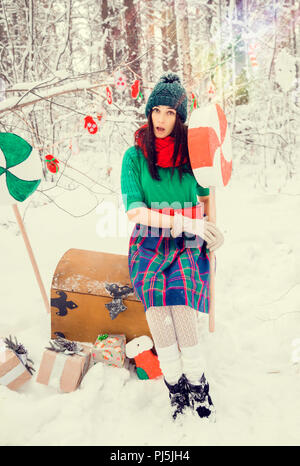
(169, 91)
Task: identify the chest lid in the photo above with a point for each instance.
(89, 272)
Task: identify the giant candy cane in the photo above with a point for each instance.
(210, 155)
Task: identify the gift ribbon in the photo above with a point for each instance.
(64, 346)
(102, 337)
(57, 370)
(13, 374)
(20, 352)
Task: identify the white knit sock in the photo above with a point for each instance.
(170, 363)
(192, 363)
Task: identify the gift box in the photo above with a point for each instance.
(88, 348)
(15, 366)
(110, 349)
(64, 365)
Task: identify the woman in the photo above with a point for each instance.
(168, 259)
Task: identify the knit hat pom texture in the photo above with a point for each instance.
(169, 91)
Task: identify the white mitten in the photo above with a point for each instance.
(208, 231)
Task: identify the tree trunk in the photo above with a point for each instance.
(108, 47)
(184, 44)
(232, 16)
(219, 49)
(169, 38)
(132, 25)
(295, 51)
(150, 38)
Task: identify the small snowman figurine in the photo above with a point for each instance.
(147, 364)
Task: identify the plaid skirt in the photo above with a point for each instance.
(167, 271)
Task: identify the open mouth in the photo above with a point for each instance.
(159, 129)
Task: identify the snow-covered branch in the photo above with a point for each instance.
(28, 99)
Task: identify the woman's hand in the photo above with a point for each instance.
(208, 231)
(217, 242)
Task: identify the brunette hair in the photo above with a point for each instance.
(147, 138)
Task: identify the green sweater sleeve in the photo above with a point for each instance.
(132, 192)
(202, 191)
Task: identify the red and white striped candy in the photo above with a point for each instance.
(209, 144)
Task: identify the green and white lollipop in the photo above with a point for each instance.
(20, 175)
(20, 169)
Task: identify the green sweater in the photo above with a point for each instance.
(140, 189)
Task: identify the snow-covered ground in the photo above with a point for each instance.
(254, 385)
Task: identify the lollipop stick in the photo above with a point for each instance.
(212, 218)
(31, 256)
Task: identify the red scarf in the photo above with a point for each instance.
(164, 149)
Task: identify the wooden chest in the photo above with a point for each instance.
(84, 283)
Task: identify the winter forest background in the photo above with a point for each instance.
(58, 57)
(57, 60)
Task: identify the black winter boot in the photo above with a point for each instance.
(200, 399)
(179, 395)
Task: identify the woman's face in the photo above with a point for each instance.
(163, 119)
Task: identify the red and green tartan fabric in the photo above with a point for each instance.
(166, 271)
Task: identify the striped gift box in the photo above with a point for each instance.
(13, 373)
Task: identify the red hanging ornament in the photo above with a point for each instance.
(135, 89)
(52, 163)
(101, 115)
(120, 80)
(90, 124)
(194, 102)
(109, 95)
(211, 89)
(252, 54)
